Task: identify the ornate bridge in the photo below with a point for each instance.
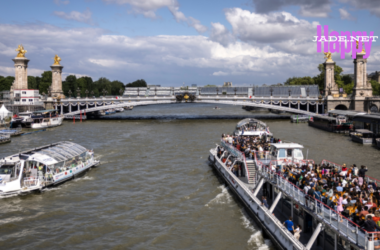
(300, 105)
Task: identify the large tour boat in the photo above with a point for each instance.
(43, 167)
(262, 175)
(23, 119)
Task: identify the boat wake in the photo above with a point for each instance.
(256, 241)
(222, 198)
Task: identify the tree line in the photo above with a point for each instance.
(343, 81)
(71, 84)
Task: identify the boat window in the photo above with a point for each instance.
(57, 168)
(289, 152)
(52, 155)
(57, 155)
(297, 153)
(6, 169)
(282, 153)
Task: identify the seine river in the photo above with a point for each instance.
(154, 188)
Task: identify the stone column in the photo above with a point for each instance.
(69, 107)
(329, 78)
(307, 105)
(21, 73)
(61, 109)
(362, 86)
(56, 85)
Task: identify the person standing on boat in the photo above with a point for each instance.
(289, 225)
(297, 232)
(362, 171)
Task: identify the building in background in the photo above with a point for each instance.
(227, 84)
(193, 85)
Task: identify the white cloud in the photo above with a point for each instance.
(84, 17)
(59, 2)
(166, 60)
(197, 25)
(309, 8)
(372, 6)
(267, 28)
(219, 33)
(345, 15)
(148, 8)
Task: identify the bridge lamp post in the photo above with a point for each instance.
(271, 91)
(70, 93)
(235, 91)
(290, 92)
(217, 91)
(307, 91)
(92, 93)
(104, 93)
(86, 93)
(78, 92)
(155, 91)
(121, 91)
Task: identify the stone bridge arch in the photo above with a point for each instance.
(341, 107)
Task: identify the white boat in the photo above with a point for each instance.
(252, 127)
(23, 119)
(46, 119)
(42, 167)
(363, 136)
(119, 109)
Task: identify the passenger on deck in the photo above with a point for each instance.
(289, 225)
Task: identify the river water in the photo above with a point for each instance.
(154, 188)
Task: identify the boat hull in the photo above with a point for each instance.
(364, 141)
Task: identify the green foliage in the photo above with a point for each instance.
(6, 82)
(32, 82)
(46, 80)
(138, 83)
(116, 86)
(209, 85)
(307, 80)
(375, 87)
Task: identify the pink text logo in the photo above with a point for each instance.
(344, 42)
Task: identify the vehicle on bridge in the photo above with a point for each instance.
(42, 167)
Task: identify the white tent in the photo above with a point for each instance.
(4, 112)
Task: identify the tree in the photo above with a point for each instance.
(375, 87)
(6, 83)
(116, 86)
(209, 86)
(138, 83)
(307, 80)
(104, 84)
(69, 84)
(32, 82)
(46, 80)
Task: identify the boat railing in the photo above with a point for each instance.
(240, 155)
(31, 181)
(269, 215)
(338, 222)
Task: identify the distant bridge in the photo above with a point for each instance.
(301, 105)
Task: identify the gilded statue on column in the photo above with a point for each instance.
(363, 47)
(57, 59)
(21, 51)
(328, 56)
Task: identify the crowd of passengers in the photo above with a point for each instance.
(251, 127)
(345, 190)
(249, 144)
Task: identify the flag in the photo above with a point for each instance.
(311, 119)
(268, 130)
(117, 97)
(250, 96)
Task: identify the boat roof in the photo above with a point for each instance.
(371, 118)
(346, 112)
(287, 145)
(44, 111)
(364, 131)
(249, 120)
(53, 153)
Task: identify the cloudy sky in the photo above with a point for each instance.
(171, 42)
